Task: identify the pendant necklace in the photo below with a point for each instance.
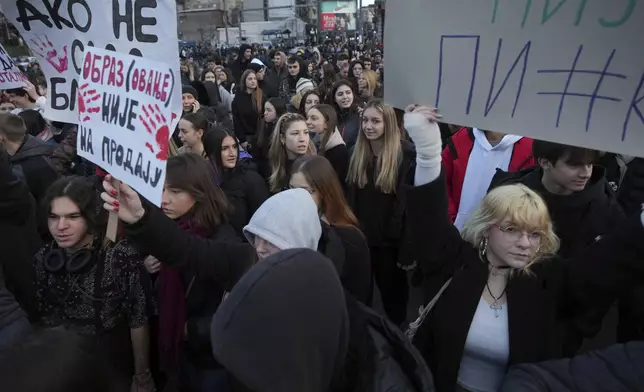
(495, 303)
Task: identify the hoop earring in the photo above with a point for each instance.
(483, 247)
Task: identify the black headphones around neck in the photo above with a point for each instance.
(57, 260)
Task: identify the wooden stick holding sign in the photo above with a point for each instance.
(113, 221)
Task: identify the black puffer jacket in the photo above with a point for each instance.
(615, 369)
(246, 190)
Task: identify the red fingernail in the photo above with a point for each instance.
(116, 203)
(114, 192)
(116, 209)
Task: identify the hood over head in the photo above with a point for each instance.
(284, 327)
(242, 49)
(287, 220)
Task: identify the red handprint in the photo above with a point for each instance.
(157, 125)
(87, 104)
(43, 47)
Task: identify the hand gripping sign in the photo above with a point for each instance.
(60, 31)
(124, 115)
(10, 75)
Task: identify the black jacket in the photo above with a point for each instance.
(246, 190)
(273, 80)
(31, 162)
(339, 158)
(347, 248)
(631, 190)
(284, 327)
(205, 294)
(592, 278)
(349, 125)
(246, 118)
(241, 64)
(260, 153)
(616, 369)
(223, 258)
(382, 217)
(18, 245)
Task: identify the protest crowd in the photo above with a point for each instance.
(303, 220)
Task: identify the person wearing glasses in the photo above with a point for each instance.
(503, 297)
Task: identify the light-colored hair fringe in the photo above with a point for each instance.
(523, 208)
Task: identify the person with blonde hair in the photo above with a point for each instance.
(378, 170)
(368, 86)
(290, 140)
(500, 295)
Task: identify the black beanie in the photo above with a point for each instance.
(187, 89)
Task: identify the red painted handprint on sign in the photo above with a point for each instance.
(87, 104)
(43, 47)
(157, 125)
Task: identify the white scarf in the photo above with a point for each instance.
(483, 162)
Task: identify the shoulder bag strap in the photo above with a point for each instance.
(424, 311)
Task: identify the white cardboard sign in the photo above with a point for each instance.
(566, 71)
(124, 115)
(60, 31)
(10, 75)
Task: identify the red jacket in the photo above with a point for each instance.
(456, 155)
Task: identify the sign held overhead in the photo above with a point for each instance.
(571, 72)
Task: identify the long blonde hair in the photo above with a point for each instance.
(277, 155)
(388, 163)
(521, 206)
(372, 82)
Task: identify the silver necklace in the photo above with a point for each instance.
(495, 300)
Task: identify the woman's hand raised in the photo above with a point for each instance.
(128, 206)
(420, 123)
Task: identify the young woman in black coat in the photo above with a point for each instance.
(187, 298)
(247, 109)
(344, 100)
(509, 301)
(245, 189)
(323, 122)
(341, 240)
(274, 108)
(378, 169)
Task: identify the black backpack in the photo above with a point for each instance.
(380, 358)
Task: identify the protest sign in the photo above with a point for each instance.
(60, 31)
(565, 71)
(124, 117)
(10, 75)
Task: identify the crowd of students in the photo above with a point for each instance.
(292, 193)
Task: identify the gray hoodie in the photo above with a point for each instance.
(287, 220)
